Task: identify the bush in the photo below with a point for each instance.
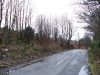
(95, 48)
(94, 57)
(28, 34)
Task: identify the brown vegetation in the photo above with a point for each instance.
(20, 43)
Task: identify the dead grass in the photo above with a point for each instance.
(20, 53)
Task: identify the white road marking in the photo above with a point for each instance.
(62, 60)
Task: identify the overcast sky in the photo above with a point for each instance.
(56, 8)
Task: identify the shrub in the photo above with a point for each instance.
(95, 48)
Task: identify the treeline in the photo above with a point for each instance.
(15, 18)
(91, 16)
(16, 25)
(22, 39)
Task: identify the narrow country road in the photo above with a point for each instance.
(64, 63)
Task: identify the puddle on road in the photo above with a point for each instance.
(85, 70)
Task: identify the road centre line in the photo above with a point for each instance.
(62, 60)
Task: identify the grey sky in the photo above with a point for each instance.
(56, 8)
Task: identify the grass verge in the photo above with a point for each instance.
(94, 63)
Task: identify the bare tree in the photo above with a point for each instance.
(67, 29)
(1, 10)
(92, 18)
(55, 29)
(44, 28)
(17, 17)
(47, 29)
(39, 25)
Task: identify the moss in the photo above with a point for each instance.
(95, 69)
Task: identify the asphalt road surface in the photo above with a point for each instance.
(64, 63)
